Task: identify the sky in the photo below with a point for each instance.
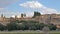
(15, 7)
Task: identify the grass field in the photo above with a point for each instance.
(28, 32)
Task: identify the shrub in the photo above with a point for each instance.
(52, 27)
(2, 27)
(12, 26)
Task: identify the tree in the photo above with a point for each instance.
(12, 26)
(40, 26)
(2, 27)
(52, 27)
(22, 15)
(33, 28)
(36, 14)
(21, 27)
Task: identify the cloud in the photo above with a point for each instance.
(4, 10)
(31, 4)
(7, 12)
(29, 14)
(4, 3)
(49, 11)
(35, 4)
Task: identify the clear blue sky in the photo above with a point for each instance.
(14, 8)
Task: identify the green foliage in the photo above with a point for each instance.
(41, 26)
(11, 26)
(2, 27)
(36, 14)
(27, 25)
(52, 27)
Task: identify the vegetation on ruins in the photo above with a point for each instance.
(25, 25)
(52, 27)
(2, 27)
(36, 14)
(28, 25)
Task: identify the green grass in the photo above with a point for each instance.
(54, 33)
(27, 33)
(20, 33)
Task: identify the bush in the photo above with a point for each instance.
(2, 27)
(39, 26)
(28, 25)
(52, 27)
(12, 26)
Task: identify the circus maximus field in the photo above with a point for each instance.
(46, 18)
